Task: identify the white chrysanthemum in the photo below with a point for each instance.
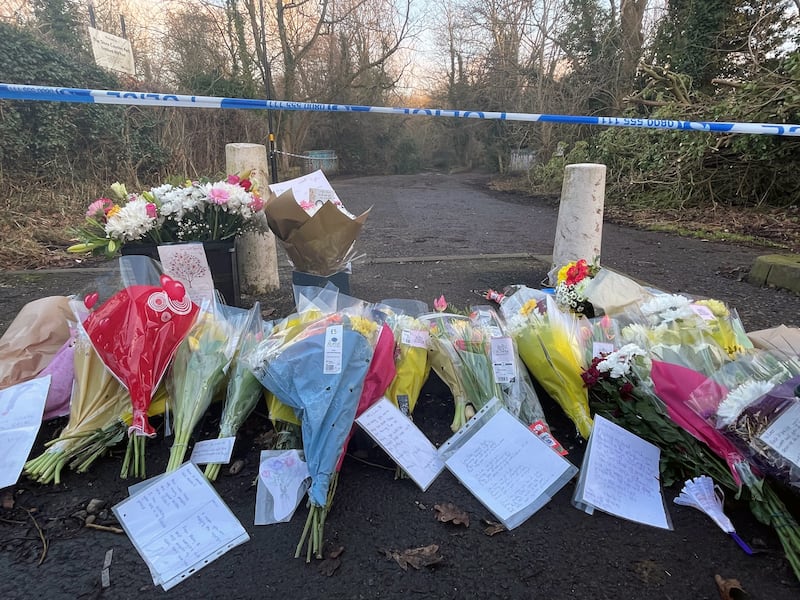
(131, 222)
(666, 308)
(636, 333)
(738, 399)
(618, 363)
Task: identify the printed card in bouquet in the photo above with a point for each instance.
(403, 441)
(505, 465)
(179, 524)
(188, 264)
(620, 476)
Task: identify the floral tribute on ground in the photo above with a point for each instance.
(194, 211)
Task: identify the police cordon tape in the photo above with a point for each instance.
(10, 91)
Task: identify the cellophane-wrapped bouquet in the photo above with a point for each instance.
(548, 341)
(754, 402)
(199, 371)
(318, 369)
(243, 389)
(459, 353)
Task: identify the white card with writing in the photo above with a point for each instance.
(301, 187)
(620, 476)
(601, 348)
(782, 435)
(179, 524)
(403, 441)
(505, 465)
(209, 452)
(21, 410)
(188, 264)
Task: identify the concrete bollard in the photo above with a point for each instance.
(256, 253)
(579, 229)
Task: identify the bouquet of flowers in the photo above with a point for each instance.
(550, 346)
(754, 402)
(700, 334)
(318, 369)
(198, 371)
(570, 289)
(650, 399)
(459, 353)
(195, 211)
(244, 390)
(136, 333)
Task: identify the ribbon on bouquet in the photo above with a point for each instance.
(10, 91)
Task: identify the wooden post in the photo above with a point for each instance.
(579, 230)
(256, 252)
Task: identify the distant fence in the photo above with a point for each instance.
(10, 91)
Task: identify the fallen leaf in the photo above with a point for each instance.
(449, 512)
(334, 552)
(236, 467)
(8, 500)
(493, 527)
(328, 566)
(729, 589)
(416, 557)
(331, 561)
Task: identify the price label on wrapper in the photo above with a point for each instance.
(332, 361)
(503, 360)
(414, 338)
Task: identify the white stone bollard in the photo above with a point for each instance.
(256, 253)
(579, 229)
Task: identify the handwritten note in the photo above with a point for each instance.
(301, 187)
(403, 441)
(188, 264)
(510, 470)
(782, 436)
(216, 451)
(179, 524)
(21, 410)
(620, 476)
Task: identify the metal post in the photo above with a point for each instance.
(272, 154)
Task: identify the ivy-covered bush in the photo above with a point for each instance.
(68, 139)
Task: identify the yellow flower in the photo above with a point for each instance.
(715, 306)
(529, 307)
(364, 326)
(113, 211)
(562, 272)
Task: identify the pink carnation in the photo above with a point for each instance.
(233, 179)
(151, 210)
(218, 196)
(99, 208)
(257, 203)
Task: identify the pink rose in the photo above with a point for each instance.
(150, 208)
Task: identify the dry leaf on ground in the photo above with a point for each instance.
(416, 557)
(493, 527)
(730, 589)
(449, 512)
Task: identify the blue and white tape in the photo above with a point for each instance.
(10, 91)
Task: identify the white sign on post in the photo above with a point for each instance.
(112, 52)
